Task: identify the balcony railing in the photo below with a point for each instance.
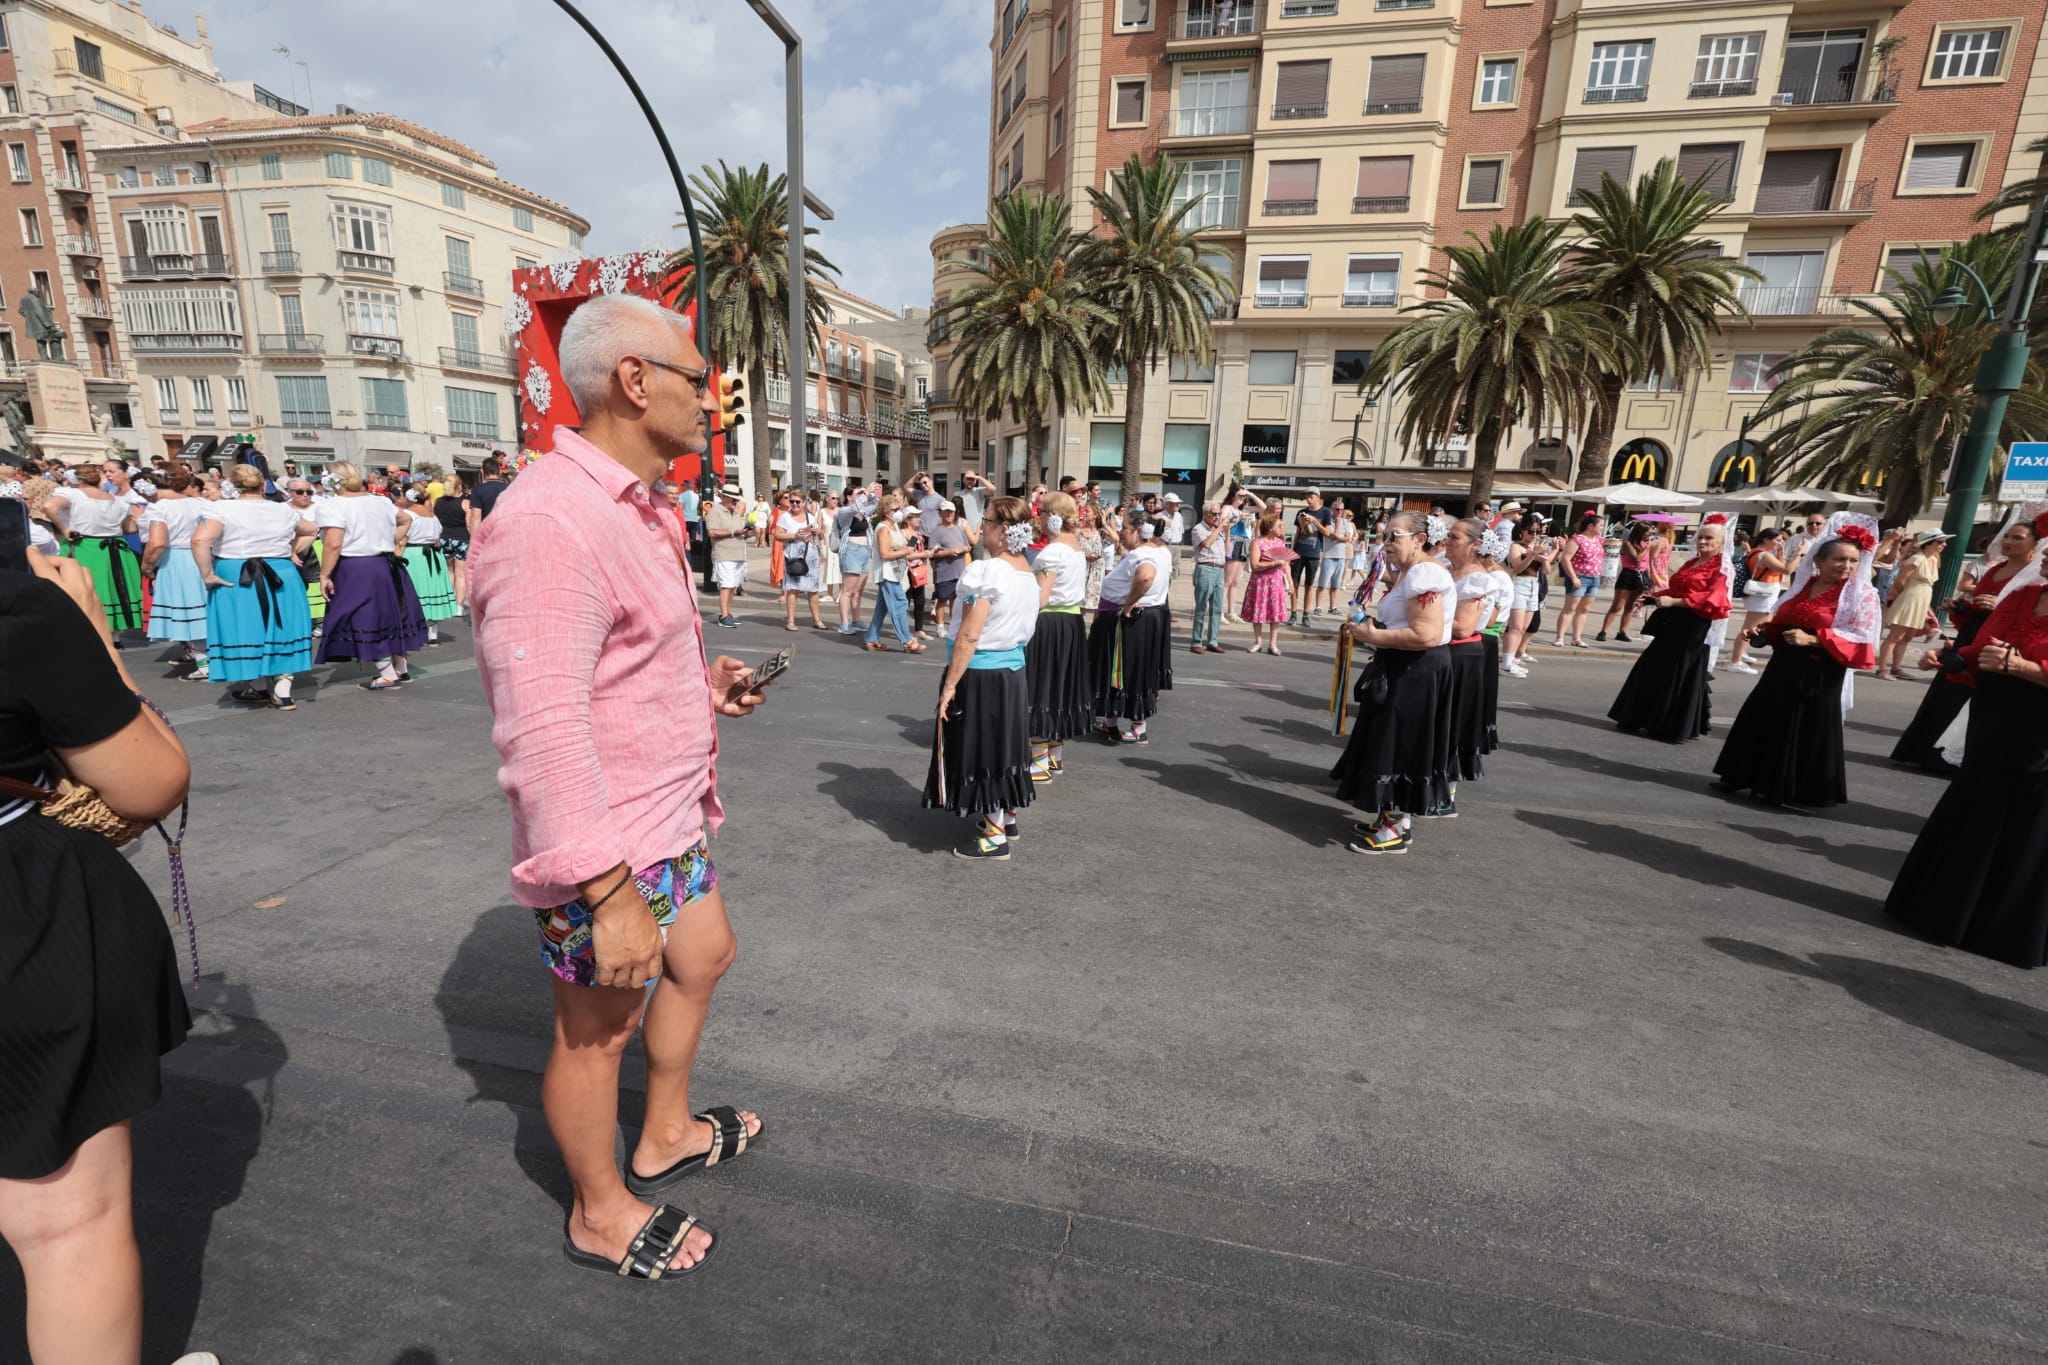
(456, 283)
(1715, 90)
(1289, 208)
(1616, 94)
(1404, 4)
(1291, 111)
(281, 263)
(1831, 87)
(1840, 196)
(307, 417)
(185, 343)
(1221, 121)
(1384, 203)
(1307, 9)
(1265, 300)
(1218, 19)
(367, 263)
(388, 348)
(1393, 107)
(98, 70)
(483, 362)
(79, 246)
(386, 421)
(1798, 300)
(71, 182)
(175, 267)
(1371, 298)
(292, 343)
(90, 307)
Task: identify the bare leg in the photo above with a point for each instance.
(701, 946)
(817, 619)
(74, 1232)
(1750, 621)
(580, 1095)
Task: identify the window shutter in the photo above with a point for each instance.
(1375, 265)
(1904, 259)
(1792, 181)
(1270, 271)
(1595, 162)
(1383, 177)
(1293, 179)
(1715, 160)
(1302, 83)
(1482, 182)
(1130, 102)
(1940, 165)
(1395, 81)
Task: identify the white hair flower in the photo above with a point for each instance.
(1436, 530)
(1018, 538)
(1053, 524)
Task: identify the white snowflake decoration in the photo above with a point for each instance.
(539, 391)
(611, 274)
(564, 271)
(652, 262)
(518, 315)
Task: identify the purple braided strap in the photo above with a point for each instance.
(181, 894)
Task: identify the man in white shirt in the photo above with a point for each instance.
(1176, 526)
(1211, 546)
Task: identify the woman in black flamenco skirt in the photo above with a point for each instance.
(1668, 694)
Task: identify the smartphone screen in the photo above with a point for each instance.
(14, 537)
(775, 666)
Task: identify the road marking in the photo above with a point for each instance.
(1225, 682)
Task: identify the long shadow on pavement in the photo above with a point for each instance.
(1879, 862)
(886, 801)
(1306, 731)
(1991, 1024)
(1261, 763)
(1703, 867)
(1315, 823)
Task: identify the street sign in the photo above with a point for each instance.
(2026, 473)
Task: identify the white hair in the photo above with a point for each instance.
(600, 334)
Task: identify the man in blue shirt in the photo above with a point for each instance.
(1309, 525)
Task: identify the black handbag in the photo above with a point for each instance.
(796, 566)
(1371, 688)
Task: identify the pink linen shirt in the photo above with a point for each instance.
(592, 658)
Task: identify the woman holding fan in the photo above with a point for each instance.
(1668, 695)
(1786, 744)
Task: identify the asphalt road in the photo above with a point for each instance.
(1611, 1068)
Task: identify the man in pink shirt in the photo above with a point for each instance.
(592, 657)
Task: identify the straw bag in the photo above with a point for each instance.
(77, 806)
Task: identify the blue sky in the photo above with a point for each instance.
(896, 141)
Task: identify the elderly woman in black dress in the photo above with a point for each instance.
(1667, 695)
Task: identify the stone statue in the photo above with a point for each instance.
(17, 425)
(41, 327)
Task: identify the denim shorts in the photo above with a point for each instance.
(854, 556)
(1586, 588)
(1330, 571)
(565, 942)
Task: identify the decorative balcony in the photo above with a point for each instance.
(382, 347)
(1385, 203)
(307, 417)
(1838, 196)
(186, 343)
(310, 344)
(281, 263)
(90, 307)
(1801, 300)
(1272, 300)
(1217, 19)
(456, 283)
(366, 263)
(71, 182)
(1289, 208)
(1221, 121)
(190, 265)
(1371, 298)
(1616, 94)
(1718, 90)
(1375, 107)
(479, 362)
(74, 245)
(1294, 111)
(1404, 4)
(96, 69)
(1826, 87)
(1307, 9)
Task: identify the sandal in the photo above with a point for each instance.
(913, 647)
(248, 695)
(379, 685)
(649, 1256)
(729, 1138)
(281, 703)
(871, 647)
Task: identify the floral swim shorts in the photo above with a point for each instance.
(565, 942)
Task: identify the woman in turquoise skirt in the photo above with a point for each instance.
(425, 562)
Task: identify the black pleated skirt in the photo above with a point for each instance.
(981, 753)
(1977, 877)
(1491, 644)
(1057, 677)
(1668, 694)
(1398, 757)
(89, 994)
(1130, 663)
(1786, 743)
(1468, 710)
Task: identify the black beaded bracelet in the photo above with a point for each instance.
(599, 902)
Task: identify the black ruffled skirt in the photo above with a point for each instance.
(1944, 701)
(89, 993)
(1399, 754)
(1130, 663)
(1491, 644)
(1786, 743)
(1468, 710)
(1057, 677)
(1977, 877)
(981, 752)
(1668, 695)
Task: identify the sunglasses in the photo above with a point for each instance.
(696, 377)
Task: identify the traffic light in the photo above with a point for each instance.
(732, 397)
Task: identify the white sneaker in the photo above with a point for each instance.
(198, 1358)
(1737, 668)
(1513, 672)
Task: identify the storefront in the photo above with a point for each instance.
(1395, 489)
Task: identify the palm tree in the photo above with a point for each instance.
(1025, 333)
(1147, 273)
(1638, 255)
(1888, 403)
(1508, 341)
(746, 269)
(2022, 194)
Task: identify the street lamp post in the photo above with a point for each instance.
(1999, 376)
(796, 351)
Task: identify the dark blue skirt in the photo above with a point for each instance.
(374, 613)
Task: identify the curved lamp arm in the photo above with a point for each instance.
(1949, 303)
(668, 153)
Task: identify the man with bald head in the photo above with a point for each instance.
(592, 656)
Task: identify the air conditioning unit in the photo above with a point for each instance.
(1785, 97)
(346, 109)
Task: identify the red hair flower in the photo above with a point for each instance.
(1721, 519)
(1860, 537)
(2041, 527)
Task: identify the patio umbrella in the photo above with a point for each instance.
(1794, 495)
(1661, 518)
(1634, 495)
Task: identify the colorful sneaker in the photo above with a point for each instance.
(1055, 766)
(1010, 830)
(198, 674)
(989, 847)
(1382, 839)
(1041, 769)
(1134, 737)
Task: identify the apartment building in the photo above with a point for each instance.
(956, 435)
(1844, 137)
(862, 419)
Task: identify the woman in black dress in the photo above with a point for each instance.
(1977, 877)
(1975, 596)
(1785, 746)
(1472, 596)
(92, 997)
(1398, 760)
(1668, 694)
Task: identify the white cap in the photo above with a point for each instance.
(1172, 497)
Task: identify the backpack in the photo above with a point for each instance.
(1741, 575)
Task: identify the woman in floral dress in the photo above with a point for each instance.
(1265, 595)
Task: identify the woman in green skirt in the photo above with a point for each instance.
(97, 525)
(425, 562)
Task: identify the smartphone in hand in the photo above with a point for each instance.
(774, 667)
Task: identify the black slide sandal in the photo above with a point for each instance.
(649, 1256)
(729, 1139)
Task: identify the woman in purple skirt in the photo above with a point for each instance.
(373, 611)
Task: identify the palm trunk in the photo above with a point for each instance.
(1485, 457)
(1034, 446)
(1136, 372)
(757, 403)
(1597, 450)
